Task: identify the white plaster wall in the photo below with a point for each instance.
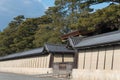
(68, 58)
(101, 58)
(88, 59)
(109, 54)
(94, 57)
(57, 58)
(81, 59)
(100, 64)
(36, 62)
(35, 65)
(116, 62)
(78, 74)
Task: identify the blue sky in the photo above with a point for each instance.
(100, 6)
(29, 8)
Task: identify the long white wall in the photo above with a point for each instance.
(78, 74)
(35, 65)
(98, 62)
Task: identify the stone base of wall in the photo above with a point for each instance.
(95, 75)
(27, 71)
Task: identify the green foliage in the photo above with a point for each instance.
(46, 34)
(108, 15)
(67, 15)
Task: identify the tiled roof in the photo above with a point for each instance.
(57, 48)
(23, 54)
(101, 39)
(39, 51)
(75, 40)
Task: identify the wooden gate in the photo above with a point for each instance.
(63, 66)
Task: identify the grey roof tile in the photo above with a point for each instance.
(48, 47)
(75, 40)
(23, 54)
(99, 39)
(58, 48)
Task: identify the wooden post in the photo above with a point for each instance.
(105, 58)
(84, 60)
(75, 59)
(112, 58)
(51, 60)
(63, 57)
(97, 58)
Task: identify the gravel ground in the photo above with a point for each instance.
(10, 76)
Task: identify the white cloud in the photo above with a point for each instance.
(46, 7)
(43, 3)
(29, 8)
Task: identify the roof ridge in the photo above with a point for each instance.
(100, 39)
(19, 54)
(104, 34)
(27, 50)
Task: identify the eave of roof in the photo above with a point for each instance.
(101, 39)
(36, 51)
(57, 48)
